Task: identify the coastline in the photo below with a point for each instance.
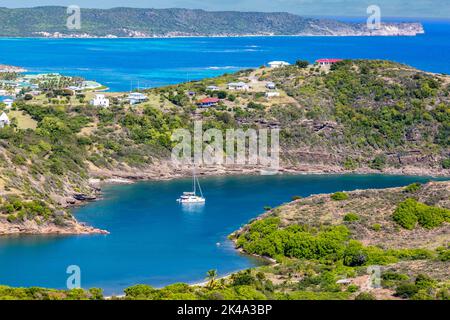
(221, 36)
(129, 177)
(161, 172)
(390, 29)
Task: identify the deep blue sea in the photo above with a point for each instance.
(154, 240)
(122, 64)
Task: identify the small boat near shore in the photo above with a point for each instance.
(192, 197)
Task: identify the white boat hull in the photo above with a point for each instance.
(192, 200)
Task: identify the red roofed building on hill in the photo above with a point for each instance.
(208, 102)
(327, 62)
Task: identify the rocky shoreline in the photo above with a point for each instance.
(28, 227)
(412, 29)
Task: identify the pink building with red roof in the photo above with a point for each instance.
(327, 62)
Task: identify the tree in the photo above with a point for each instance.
(211, 277)
(302, 64)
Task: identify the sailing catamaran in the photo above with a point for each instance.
(192, 197)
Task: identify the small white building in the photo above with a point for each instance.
(327, 62)
(272, 94)
(344, 281)
(238, 86)
(212, 88)
(8, 103)
(100, 101)
(278, 64)
(137, 97)
(4, 120)
(271, 86)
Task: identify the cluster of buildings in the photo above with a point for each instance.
(100, 100)
(238, 86)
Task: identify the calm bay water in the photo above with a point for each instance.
(124, 63)
(155, 240)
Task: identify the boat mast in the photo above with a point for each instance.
(200, 188)
(193, 181)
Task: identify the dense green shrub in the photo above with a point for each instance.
(351, 217)
(394, 276)
(302, 64)
(339, 196)
(365, 296)
(352, 288)
(378, 163)
(443, 254)
(350, 164)
(355, 254)
(413, 188)
(410, 212)
(405, 214)
(406, 290)
(265, 237)
(376, 227)
(446, 163)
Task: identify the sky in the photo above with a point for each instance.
(389, 8)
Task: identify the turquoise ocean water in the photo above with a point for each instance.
(122, 64)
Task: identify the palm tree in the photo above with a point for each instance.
(211, 277)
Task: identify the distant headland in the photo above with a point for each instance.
(51, 22)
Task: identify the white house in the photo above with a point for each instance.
(4, 120)
(212, 88)
(327, 62)
(272, 94)
(271, 85)
(238, 86)
(8, 102)
(100, 101)
(278, 64)
(136, 97)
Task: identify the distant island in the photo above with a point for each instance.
(50, 22)
(11, 69)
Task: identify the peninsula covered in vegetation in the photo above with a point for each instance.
(145, 23)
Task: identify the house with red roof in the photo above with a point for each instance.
(208, 102)
(327, 62)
